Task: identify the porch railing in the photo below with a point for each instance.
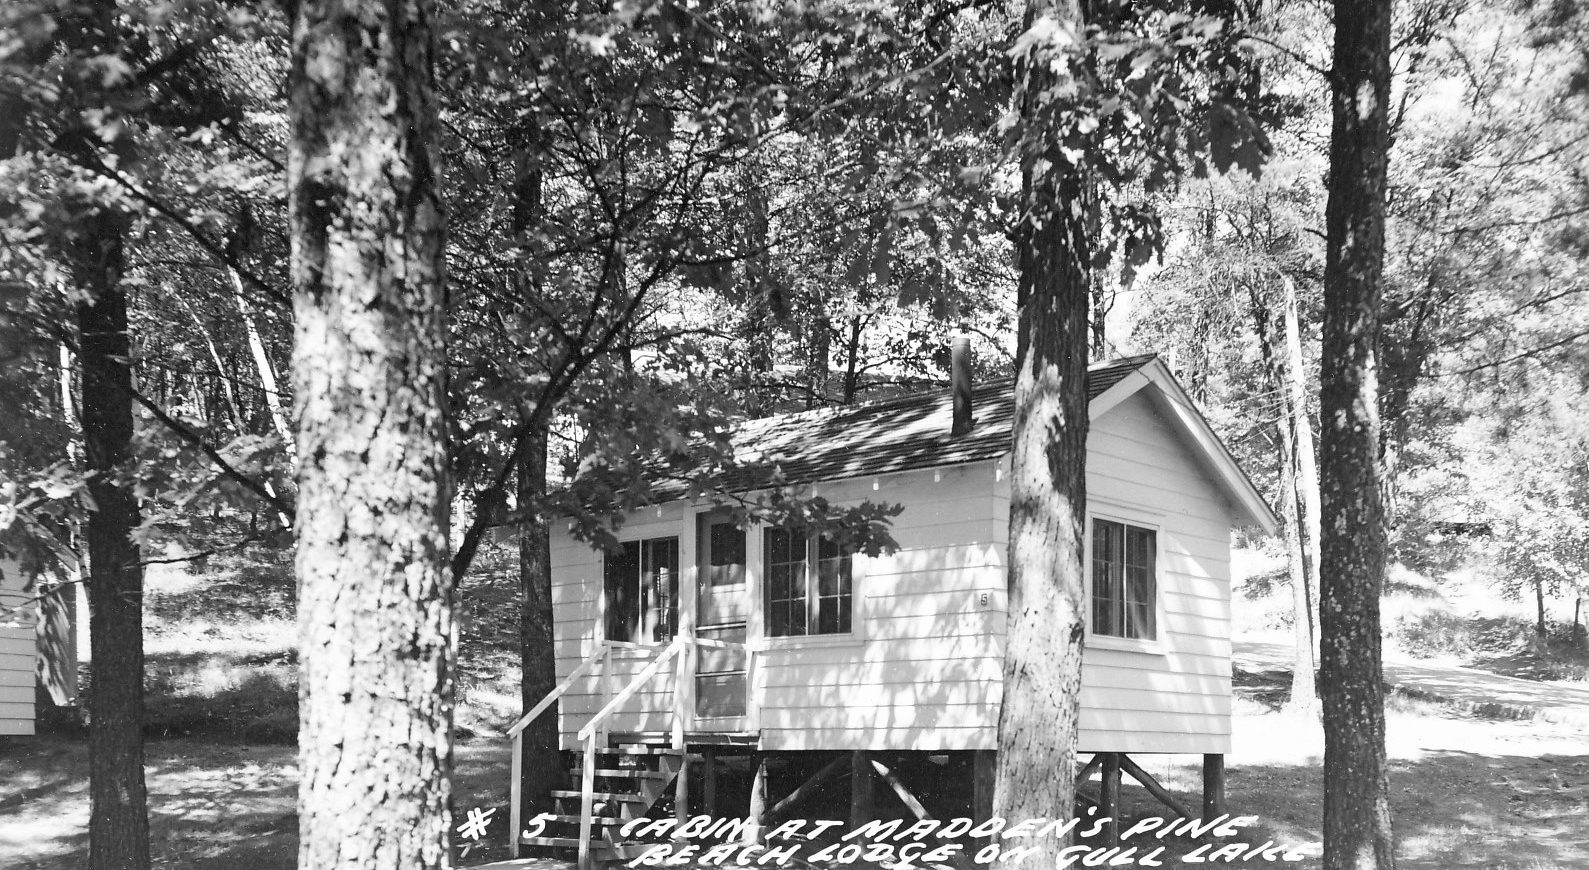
(594, 730)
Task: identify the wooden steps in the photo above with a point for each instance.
(632, 777)
(621, 773)
(604, 851)
(599, 795)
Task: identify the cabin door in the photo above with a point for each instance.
(722, 608)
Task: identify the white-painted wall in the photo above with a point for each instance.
(17, 651)
(922, 669)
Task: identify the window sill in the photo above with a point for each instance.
(806, 641)
(1124, 644)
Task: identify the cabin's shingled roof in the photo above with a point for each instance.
(890, 435)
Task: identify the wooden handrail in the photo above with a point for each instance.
(588, 733)
(552, 696)
(602, 652)
(639, 680)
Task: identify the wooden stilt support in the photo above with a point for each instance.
(709, 780)
(905, 797)
(960, 860)
(984, 766)
(758, 803)
(516, 796)
(1153, 786)
(1089, 767)
(681, 792)
(807, 788)
(862, 806)
(1213, 785)
(1109, 798)
(587, 806)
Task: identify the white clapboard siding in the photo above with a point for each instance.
(17, 651)
(922, 668)
(1176, 699)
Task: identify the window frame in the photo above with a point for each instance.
(672, 612)
(813, 605)
(1129, 519)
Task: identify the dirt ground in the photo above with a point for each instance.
(1467, 792)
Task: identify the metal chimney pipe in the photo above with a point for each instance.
(960, 383)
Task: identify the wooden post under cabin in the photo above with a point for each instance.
(758, 803)
(516, 796)
(983, 767)
(709, 780)
(1213, 785)
(862, 805)
(1109, 798)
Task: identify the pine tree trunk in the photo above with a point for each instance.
(118, 827)
(1280, 376)
(1304, 693)
(543, 767)
(1357, 822)
(538, 662)
(762, 299)
(376, 596)
(1042, 659)
(1307, 461)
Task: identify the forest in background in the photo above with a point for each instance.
(657, 220)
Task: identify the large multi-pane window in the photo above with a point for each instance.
(808, 585)
(642, 585)
(1124, 585)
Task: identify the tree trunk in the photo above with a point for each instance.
(537, 658)
(262, 364)
(118, 827)
(1278, 375)
(819, 347)
(763, 299)
(543, 768)
(1580, 638)
(234, 410)
(1042, 658)
(376, 596)
(852, 357)
(1304, 693)
(1540, 628)
(1357, 823)
(1307, 462)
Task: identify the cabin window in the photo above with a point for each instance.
(642, 584)
(808, 585)
(1124, 585)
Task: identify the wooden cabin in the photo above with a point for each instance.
(18, 652)
(698, 633)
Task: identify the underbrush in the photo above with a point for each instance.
(222, 698)
(220, 640)
(1505, 644)
(1436, 632)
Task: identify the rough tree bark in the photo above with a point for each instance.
(537, 657)
(376, 596)
(118, 827)
(1357, 823)
(1042, 659)
(543, 768)
(763, 300)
